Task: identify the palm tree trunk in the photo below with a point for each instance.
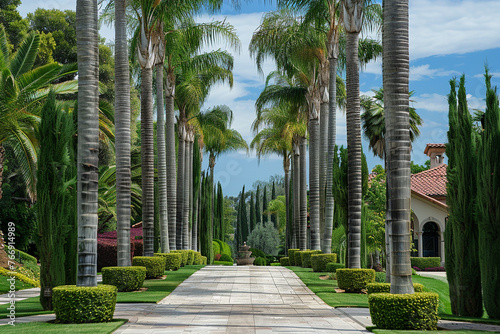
(296, 195)
(170, 160)
(353, 151)
(286, 167)
(162, 161)
(88, 140)
(191, 190)
(323, 146)
(122, 136)
(396, 67)
(303, 196)
(332, 124)
(185, 209)
(387, 215)
(314, 169)
(180, 182)
(147, 156)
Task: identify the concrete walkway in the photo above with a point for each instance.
(242, 300)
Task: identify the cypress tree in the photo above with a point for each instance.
(244, 223)
(238, 224)
(196, 193)
(265, 217)
(253, 218)
(488, 202)
(220, 212)
(216, 223)
(462, 249)
(258, 213)
(273, 216)
(55, 203)
(206, 247)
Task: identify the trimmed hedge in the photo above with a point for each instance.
(190, 259)
(224, 247)
(223, 263)
(354, 280)
(216, 247)
(404, 311)
(291, 256)
(155, 265)
(24, 258)
(20, 277)
(226, 258)
(297, 258)
(257, 253)
(425, 262)
(78, 304)
(203, 260)
(275, 264)
(172, 260)
(197, 258)
(306, 257)
(380, 277)
(124, 278)
(285, 261)
(260, 261)
(386, 287)
(184, 254)
(319, 261)
(332, 267)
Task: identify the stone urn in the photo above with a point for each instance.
(244, 258)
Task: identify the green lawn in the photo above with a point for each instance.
(157, 290)
(5, 285)
(49, 327)
(388, 331)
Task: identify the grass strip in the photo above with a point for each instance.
(5, 285)
(51, 327)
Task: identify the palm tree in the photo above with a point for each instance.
(353, 19)
(22, 92)
(88, 140)
(395, 64)
(122, 128)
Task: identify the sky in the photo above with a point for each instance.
(448, 38)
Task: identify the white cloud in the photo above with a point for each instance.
(425, 71)
(431, 102)
(440, 27)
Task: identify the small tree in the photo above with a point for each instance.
(266, 238)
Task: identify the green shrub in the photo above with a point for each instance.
(30, 270)
(297, 258)
(354, 280)
(78, 304)
(425, 262)
(216, 247)
(401, 312)
(224, 247)
(380, 277)
(413, 272)
(24, 258)
(155, 265)
(291, 256)
(306, 257)
(172, 260)
(124, 278)
(386, 287)
(184, 256)
(285, 261)
(223, 263)
(332, 267)
(204, 260)
(319, 261)
(197, 258)
(226, 258)
(190, 259)
(20, 277)
(257, 253)
(260, 261)
(275, 264)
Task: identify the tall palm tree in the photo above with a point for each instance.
(353, 19)
(396, 68)
(88, 140)
(122, 128)
(22, 92)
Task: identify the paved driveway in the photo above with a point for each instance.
(223, 299)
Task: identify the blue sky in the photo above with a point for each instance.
(447, 38)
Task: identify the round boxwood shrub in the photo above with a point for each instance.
(291, 256)
(386, 287)
(155, 265)
(332, 267)
(354, 280)
(306, 257)
(285, 261)
(204, 260)
(124, 278)
(172, 260)
(79, 304)
(260, 261)
(319, 261)
(184, 255)
(226, 258)
(190, 259)
(416, 311)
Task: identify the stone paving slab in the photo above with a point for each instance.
(242, 300)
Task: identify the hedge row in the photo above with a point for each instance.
(306, 257)
(386, 287)
(332, 267)
(223, 263)
(354, 280)
(20, 277)
(291, 256)
(285, 261)
(124, 278)
(155, 265)
(319, 261)
(425, 262)
(24, 258)
(172, 260)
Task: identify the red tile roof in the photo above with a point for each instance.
(433, 146)
(431, 182)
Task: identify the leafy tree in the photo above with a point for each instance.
(416, 168)
(206, 247)
(266, 238)
(265, 216)
(253, 218)
(461, 230)
(15, 26)
(258, 213)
